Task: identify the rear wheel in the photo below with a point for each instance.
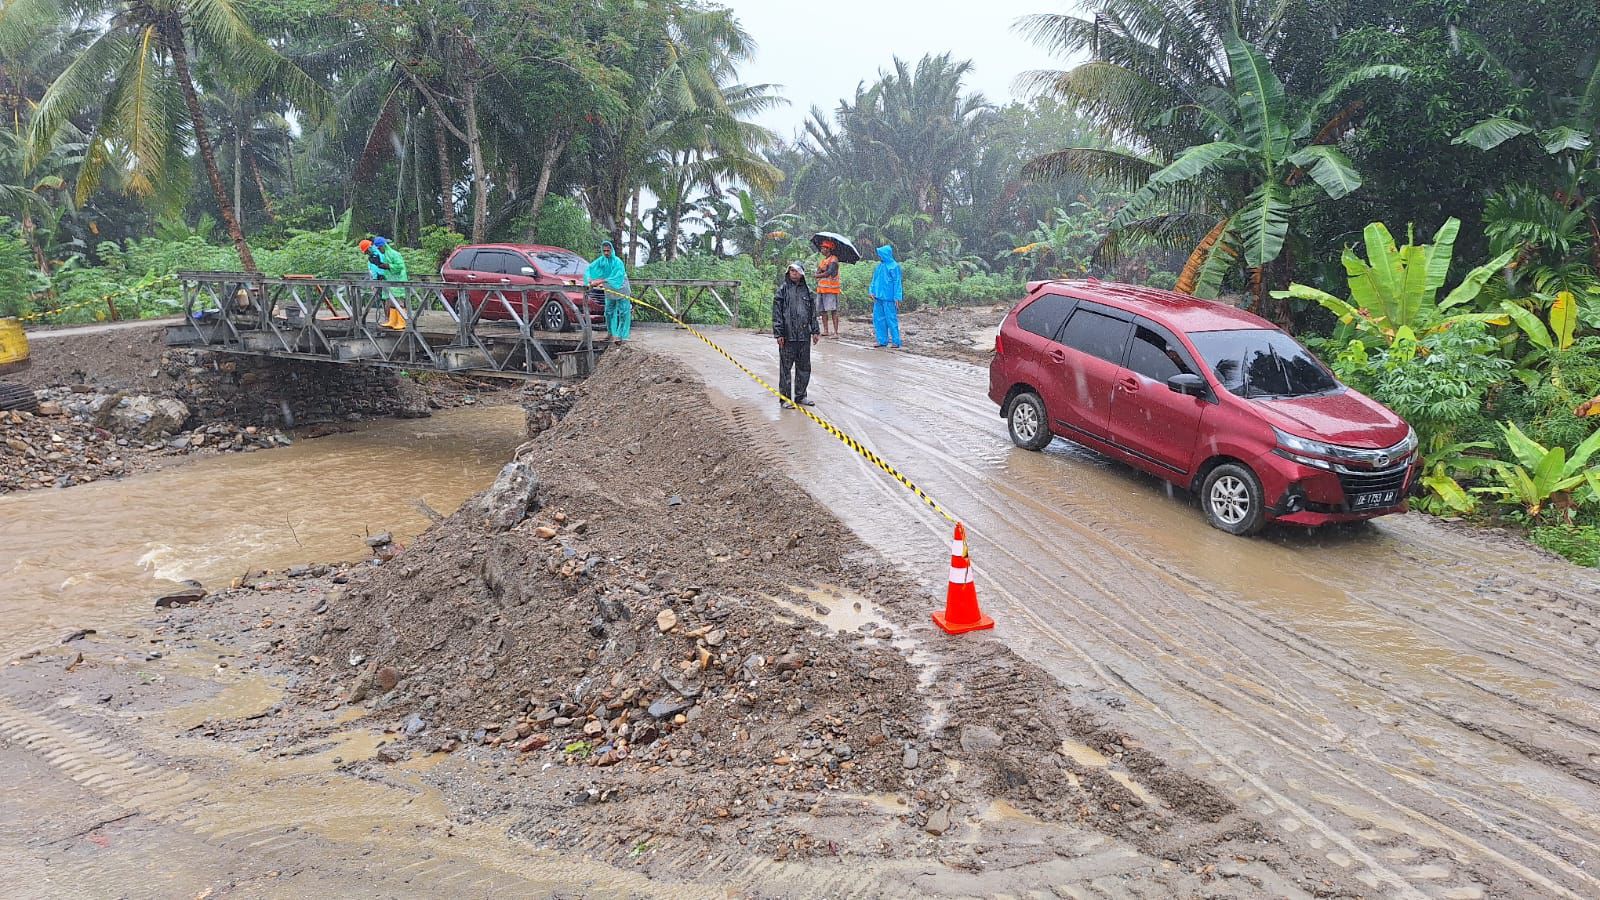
(553, 316)
(1232, 499)
(16, 397)
(1030, 429)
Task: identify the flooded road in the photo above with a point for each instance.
(96, 554)
(1421, 705)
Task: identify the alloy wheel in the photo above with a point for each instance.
(1230, 499)
(1025, 420)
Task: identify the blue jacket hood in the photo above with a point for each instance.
(886, 253)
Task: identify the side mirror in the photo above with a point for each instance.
(528, 270)
(1187, 384)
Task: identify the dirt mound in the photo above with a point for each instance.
(677, 640)
(581, 631)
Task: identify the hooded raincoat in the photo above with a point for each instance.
(887, 292)
(794, 324)
(396, 263)
(609, 272)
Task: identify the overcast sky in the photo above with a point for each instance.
(790, 53)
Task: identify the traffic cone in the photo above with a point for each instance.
(961, 613)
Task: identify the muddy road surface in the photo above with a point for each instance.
(1417, 703)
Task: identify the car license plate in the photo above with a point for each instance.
(1375, 501)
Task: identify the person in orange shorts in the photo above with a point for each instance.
(829, 288)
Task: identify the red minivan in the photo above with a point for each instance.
(1206, 396)
(525, 265)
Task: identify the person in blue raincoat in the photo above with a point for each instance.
(886, 292)
(605, 272)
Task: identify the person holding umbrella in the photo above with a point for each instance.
(794, 324)
(835, 249)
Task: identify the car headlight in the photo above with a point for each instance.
(1299, 449)
(1305, 445)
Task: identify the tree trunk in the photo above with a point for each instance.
(238, 173)
(547, 166)
(399, 185)
(261, 188)
(634, 226)
(180, 65)
(480, 177)
(447, 193)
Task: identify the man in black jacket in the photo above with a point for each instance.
(794, 324)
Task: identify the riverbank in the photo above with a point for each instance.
(115, 402)
(665, 655)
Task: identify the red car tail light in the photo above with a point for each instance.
(999, 347)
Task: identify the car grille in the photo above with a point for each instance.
(1355, 483)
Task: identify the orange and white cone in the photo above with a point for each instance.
(961, 613)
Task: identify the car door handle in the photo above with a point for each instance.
(1058, 356)
(1129, 384)
(471, 277)
(505, 281)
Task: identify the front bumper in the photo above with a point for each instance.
(1298, 494)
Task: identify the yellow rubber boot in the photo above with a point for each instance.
(396, 321)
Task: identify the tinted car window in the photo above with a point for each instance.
(1045, 315)
(1262, 363)
(1157, 355)
(464, 260)
(498, 262)
(1096, 335)
(560, 263)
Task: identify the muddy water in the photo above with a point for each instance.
(94, 555)
(1385, 693)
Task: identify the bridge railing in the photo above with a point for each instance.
(521, 331)
(689, 298)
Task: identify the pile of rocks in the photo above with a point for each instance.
(82, 436)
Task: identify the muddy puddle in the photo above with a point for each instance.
(94, 555)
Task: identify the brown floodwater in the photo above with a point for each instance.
(96, 554)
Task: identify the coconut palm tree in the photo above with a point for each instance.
(137, 79)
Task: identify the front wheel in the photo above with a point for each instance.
(1030, 429)
(553, 316)
(1232, 498)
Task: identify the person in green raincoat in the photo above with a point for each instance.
(394, 269)
(606, 272)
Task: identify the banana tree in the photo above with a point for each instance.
(1542, 475)
(1251, 176)
(1397, 288)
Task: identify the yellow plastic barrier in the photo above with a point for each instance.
(13, 345)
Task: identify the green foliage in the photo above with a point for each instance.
(1540, 475)
(437, 242)
(1578, 543)
(1396, 289)
(924, 285)
(563, 223)
(1546, 408)
(19, 280)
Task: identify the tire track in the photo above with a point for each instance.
(1202, 647)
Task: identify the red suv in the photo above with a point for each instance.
(517, 265)
(1206, 396)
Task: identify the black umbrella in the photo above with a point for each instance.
(842, 247)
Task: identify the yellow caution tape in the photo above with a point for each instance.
(861, 449)
(144, 285)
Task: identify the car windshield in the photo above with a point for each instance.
(1262, 362)
(556, 263)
